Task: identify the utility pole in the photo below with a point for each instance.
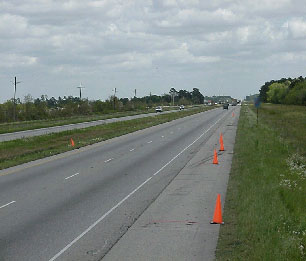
(173, 94)
(135, 93)
(15, 87)
(115, 90)
(81, 87)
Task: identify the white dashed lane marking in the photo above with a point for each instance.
(108, 160)
(7, 204)
(132, 149)
(150, 141)
(72, 175)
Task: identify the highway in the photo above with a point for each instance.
(77, 205)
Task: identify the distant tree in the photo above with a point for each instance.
(263, 91)
(197, 97)
(297, 93)
(52, 103)
(277, 92)
(185, 95)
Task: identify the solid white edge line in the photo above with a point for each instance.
(72, 175)
(8, 204)
(128, 196)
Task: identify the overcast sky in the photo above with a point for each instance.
(222, 47)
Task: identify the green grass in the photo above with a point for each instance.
(24, 150)
(265, 207)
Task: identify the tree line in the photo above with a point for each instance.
(284, 91)
(48, 108)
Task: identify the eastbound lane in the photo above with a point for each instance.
(55, 202)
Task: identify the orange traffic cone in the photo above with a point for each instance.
(221, 143)
(233, 114)
(215, 161)
(217, 219)
(71, 142)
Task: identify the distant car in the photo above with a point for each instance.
(182, 107)
(225, 106)
(158, 109)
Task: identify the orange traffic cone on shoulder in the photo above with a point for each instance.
(233, 114)
(215, 161)
(217, 219)
(221, 143)
(71, 142)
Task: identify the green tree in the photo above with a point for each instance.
(197, 97)
(277, 92)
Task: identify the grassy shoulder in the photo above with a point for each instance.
(264, 212)
(19, 151)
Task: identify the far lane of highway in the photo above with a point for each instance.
(81, 125)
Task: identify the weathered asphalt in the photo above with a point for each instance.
(176, 226)
(77, 205)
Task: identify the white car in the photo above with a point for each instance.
(158, 109)
(182, 107)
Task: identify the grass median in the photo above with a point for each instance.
(264, 212)
(19, 151)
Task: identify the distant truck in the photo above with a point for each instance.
(234, 102)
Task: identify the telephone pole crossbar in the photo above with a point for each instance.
(81, 87)
(15, 88)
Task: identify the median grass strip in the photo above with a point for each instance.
(24, 150)
(264, 212)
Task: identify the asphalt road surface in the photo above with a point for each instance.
(77, 205)
(81, 125)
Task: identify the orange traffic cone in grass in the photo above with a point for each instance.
(217, 219)
(71, 142)
(215, 161)
(221, 143)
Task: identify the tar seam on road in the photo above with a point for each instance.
(7, 204)
(128, 196)
(108, 160)
(72, 175)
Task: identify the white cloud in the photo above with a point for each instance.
(182, 37)
(12, 25)
(14, 60)
(297, 28)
